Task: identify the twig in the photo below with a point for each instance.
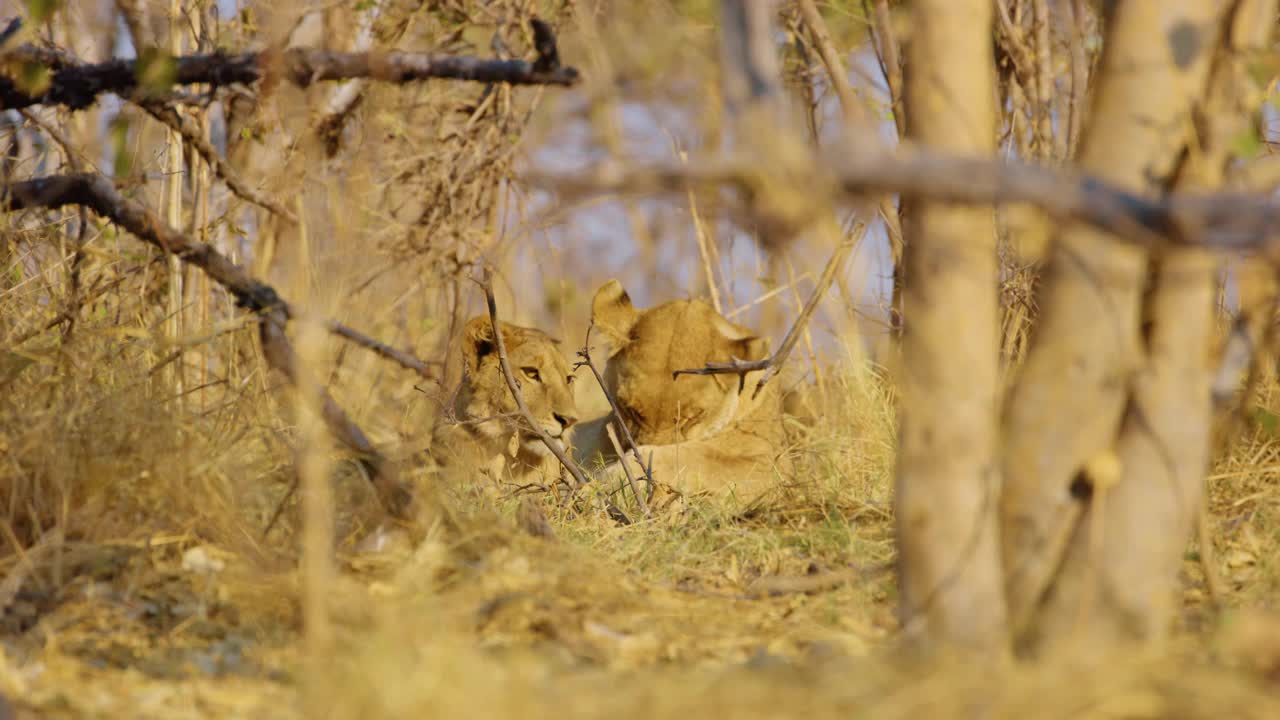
(184, 126)
(890, 61)
(706, 243)
(790, 286)
(556, 448)
(774, 585)
(132, 14)
(773, 364)
(78, 85)
(853, 112)
(585, 354)
(10, 29)
(1079, 74)
(626, 469)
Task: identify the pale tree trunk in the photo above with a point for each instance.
(947, 475)
(1140, 527)
(1091, 408)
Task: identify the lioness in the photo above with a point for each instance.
(486, 431)
(705, 433)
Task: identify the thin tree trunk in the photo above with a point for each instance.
(947, 476)
(1140, 527)
(1066, 411)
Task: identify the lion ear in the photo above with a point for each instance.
(477, 342)
(746, 345)
(612, 312)
(752, 348)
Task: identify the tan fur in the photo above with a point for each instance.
(706, 433)
(484, 432)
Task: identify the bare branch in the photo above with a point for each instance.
(1222, 221)
(853, 112)
(881, 30)
(185, 127)
(486, 282)
(78, 85)
(96, 192)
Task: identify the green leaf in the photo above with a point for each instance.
(1266, 420)
(156, 70)
(1263, 67)
(1247, 145)
(41, 10)
(12, 364)
(122, 160)
(34, 78)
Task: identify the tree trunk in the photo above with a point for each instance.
(947, 476)
(1163, 447)
(1090, 408)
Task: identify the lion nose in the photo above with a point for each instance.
(566, 421)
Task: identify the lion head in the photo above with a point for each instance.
(484, 405)
(648, 346)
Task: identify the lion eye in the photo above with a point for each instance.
(531, 373)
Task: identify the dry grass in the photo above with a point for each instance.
(137, 577)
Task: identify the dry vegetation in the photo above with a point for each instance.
(147, 447)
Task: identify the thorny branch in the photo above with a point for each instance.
(77, 85)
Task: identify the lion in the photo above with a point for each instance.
(486, 431)
(705, 433)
